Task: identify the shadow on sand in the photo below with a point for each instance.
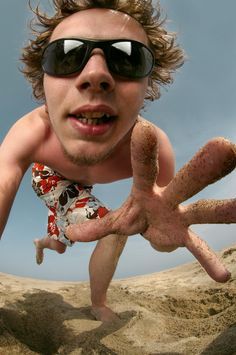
(224, 344)
(37, 322)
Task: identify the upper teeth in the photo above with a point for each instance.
(89, 115)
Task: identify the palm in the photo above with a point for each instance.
(156, 212)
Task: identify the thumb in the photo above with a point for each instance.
(91, 230)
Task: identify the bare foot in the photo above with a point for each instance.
(39, 251)
(104, 314)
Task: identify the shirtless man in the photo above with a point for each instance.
(83, 131)
(94, 75)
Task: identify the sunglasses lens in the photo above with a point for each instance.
(63, 57)
(130, 59)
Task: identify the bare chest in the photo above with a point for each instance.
(114, 169)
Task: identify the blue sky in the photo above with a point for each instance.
(201, 104)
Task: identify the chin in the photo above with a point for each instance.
(87, 159)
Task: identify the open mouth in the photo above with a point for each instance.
(93, 118)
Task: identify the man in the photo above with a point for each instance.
(94, 64)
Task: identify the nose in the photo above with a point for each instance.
(96, 76)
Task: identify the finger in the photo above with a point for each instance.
(91, 230)
(207, 258)
(210, 211)
(126, 220)
(144, 155)
(215, 160)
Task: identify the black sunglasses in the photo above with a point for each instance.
(124, 57)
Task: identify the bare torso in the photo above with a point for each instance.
(116, 167)
(37, 142)
(31, 139)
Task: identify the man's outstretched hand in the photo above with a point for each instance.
(157, 213)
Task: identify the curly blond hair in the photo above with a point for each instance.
(168, 55)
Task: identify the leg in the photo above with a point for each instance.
(102, 266)
(47, 243)
(43, 175)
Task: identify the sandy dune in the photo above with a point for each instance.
(179, 311)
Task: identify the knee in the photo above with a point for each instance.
(60, 248)
(61, 251)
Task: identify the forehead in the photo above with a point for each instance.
(100, 24)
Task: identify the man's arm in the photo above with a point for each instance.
(156, 211)
(16, 154)
(10, 180)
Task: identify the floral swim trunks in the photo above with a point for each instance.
(68, 202)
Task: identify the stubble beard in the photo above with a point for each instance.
(87, 160)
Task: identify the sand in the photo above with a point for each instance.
(179, 311)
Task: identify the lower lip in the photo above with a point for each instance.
(88, 129)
